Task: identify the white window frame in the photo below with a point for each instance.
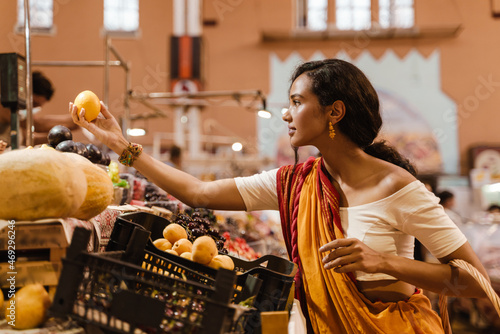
(121, 30)
(313, 14)
(38, 9)
(397, 10)
(351, 8)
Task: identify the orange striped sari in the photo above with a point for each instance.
(331, 302)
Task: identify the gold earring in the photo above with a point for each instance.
(331, 131)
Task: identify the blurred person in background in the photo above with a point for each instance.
(447, 200)
(494, 208)
(43, 90)
(175, 159)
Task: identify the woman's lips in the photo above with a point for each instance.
(291, 131)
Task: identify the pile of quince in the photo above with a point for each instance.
(203, 250)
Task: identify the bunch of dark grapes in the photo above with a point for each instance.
(153, 194)
(202, 213)
(196, 226)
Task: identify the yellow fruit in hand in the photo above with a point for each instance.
(174, 232)
(90, 102)
(162, 244)
(28, 307)
(187, 255)
(227, 262)
(182, 246)
(204, 249)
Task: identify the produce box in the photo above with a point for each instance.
(43, 272)
(99, 289)
(245, 288)
(277, 274)
(31, 252)
(46, 233)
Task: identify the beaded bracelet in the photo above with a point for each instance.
(130, 154)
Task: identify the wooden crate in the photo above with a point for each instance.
(39, 247)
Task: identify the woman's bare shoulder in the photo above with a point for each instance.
(396, 178)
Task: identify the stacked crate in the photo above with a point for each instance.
(31, 252)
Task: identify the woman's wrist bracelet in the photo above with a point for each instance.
(130, 154)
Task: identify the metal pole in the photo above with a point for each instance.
(29, 89)
(106, 71)
(202, 94)
(117, 55)
(126, 106)
(89, 63)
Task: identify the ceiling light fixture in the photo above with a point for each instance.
(263, 113)
(237, 146)
(136, 132)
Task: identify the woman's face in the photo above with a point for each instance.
(306, 118)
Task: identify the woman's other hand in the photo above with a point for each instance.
(105, 127)
(347, 255)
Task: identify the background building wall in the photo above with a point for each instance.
(235, 57)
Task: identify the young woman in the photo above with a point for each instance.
(349, 217)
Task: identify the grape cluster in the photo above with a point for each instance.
(153, 194)
(197, 225)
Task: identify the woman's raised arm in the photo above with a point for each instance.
(220, 194)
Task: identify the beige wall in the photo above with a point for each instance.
(78, 37)
(236, 58)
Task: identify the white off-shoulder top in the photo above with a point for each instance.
(389, 225)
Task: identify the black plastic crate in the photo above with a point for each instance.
(245, 288)
(277, 274)
(117, 296)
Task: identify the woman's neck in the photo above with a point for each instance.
(343, 161)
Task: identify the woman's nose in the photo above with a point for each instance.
(286, 114)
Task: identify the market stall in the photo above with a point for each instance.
(124, 222)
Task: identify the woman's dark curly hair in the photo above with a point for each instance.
(335, 79)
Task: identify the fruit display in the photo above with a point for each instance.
(40, 183)
(89, 101)
(204, 249)
(1, 305)
(81, 149)
(239, 247)
(46, 183)
(58, 134)
(198, 224)
(251, 233)
(67, 146)
(61, 138)
(28, 307)
(94, 153)
(99, 188)
(139, 300)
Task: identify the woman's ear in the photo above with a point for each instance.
(337, 111)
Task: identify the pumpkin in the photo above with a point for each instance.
(99, 188)
(38, 183)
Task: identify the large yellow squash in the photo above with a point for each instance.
(99, 188)
(39, 183)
